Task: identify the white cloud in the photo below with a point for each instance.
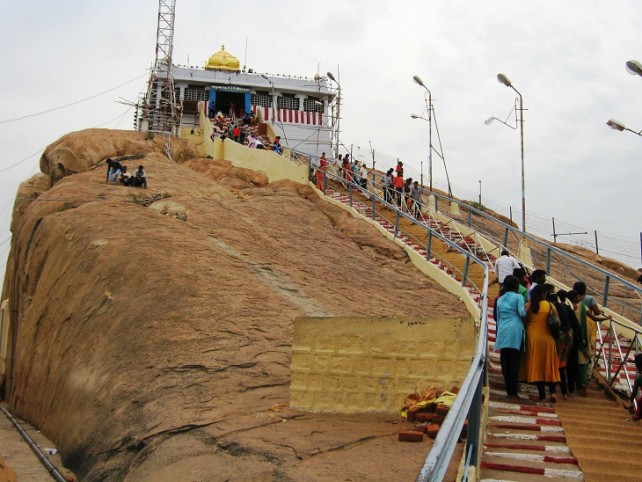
(566, 58)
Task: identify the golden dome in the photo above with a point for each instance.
(223, 60)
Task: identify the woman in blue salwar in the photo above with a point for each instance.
(510, 334)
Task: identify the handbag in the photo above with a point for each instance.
(553, 323)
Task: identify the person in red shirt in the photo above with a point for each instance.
(320, 174)
(236, 133)
(397, 183)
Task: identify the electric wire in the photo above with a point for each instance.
(16, 119)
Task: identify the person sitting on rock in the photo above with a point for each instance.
(126, 177)
(140, 179)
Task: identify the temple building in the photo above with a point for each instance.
(302, 111)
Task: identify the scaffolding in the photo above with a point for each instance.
(157, 110)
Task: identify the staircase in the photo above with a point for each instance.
(416, 237)
(590, 438)
(526, 440)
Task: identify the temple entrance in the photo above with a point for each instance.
(231, 104)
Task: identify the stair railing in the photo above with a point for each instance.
(468, 403)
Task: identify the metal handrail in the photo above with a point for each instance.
(451, 226)
(625, 360)
(469, 400)
(468, 403)
(375, 198)
(538, 241)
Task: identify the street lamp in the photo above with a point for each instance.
(502, 79)
(338, 117)
(618, 126)
(634, 67)
(431, 148)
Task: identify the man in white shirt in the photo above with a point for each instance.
(504, 266)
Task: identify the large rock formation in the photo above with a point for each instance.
(153, 327)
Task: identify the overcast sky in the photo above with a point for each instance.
(567, 58)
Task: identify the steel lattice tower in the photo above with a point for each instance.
(158, 111)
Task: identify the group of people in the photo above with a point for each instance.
(117, 172)
(406, 193)
(544, 337)
(243, 131)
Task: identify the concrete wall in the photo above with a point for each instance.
(370, 365)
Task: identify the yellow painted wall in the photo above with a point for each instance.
(354, 365)
(274, 166)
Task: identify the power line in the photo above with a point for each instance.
(73, 103)
(20, 162)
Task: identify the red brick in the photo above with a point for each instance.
(424, 416)
(422, 427)
(412, 412)
(442, 409)
(411, 436)
(432, 430)
(438, 419)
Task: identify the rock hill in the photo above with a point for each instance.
(154, 326)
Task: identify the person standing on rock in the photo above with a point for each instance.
(510, 337)
(114, 169)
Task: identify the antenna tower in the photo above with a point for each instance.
(157, 111)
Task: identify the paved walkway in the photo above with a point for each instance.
(18, 455)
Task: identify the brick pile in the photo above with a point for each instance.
(428, 415)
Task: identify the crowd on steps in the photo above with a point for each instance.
(545, 337)
(244, 131)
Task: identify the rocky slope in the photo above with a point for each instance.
(154, 326)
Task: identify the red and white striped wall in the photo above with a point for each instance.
(289, 115)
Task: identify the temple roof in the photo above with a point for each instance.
(223, 60)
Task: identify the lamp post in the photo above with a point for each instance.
(618, 126)
(420, 82)
(634, 67)
(431, 148)
(338, 117)
(502, 79)
(480, 194)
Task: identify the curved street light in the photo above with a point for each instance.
(618, 126)
(634, 67)
(503, 79)
(431, 113)
(336, 124)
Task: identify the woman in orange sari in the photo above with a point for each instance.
(541, 364)
(320, 174)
